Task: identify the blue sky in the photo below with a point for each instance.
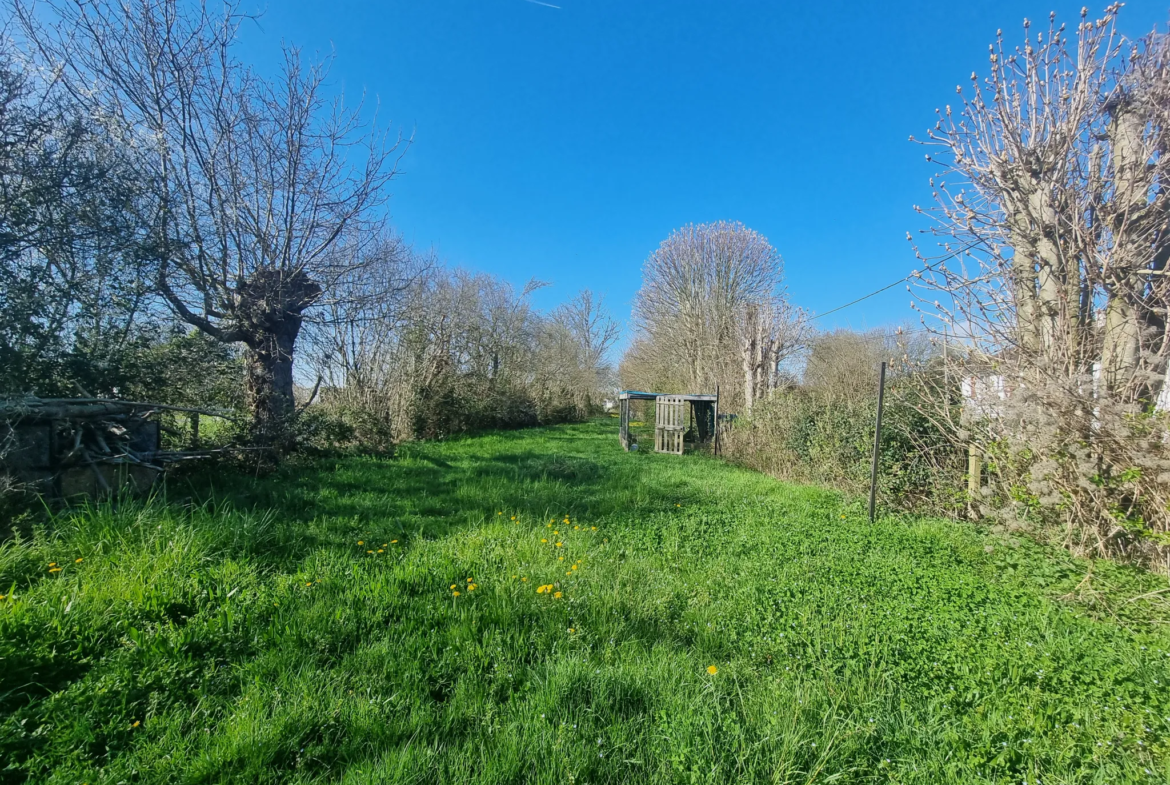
(565, 143)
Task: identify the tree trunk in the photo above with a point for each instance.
(271, 307)
(269, 382)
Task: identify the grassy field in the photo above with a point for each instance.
(541, 607)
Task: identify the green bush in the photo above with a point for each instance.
(803, 436)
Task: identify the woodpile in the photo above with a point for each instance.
(86, 446)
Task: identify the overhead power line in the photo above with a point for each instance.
(928, 267)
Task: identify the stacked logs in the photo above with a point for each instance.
(85, 446)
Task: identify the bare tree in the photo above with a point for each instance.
(263, 186)
(1056, 227)
(769, 333)
(711, 311)
(578, 336)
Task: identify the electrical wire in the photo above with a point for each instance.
(916, 273)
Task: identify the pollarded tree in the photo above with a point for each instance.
(1058, 205)
(1053, 204)
(262, 186)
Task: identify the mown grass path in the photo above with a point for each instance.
(704, 624)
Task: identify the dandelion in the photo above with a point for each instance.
(678, 505)
(548, 525)
(574, 566)
(393, 541)
(712, 670)
(571, 630)
(454, 594)
(524, 580)
(55, 569)
(369, 551)
(543, 539)
(453, 585)
(594, 528)
(559, 544)
(381, 551)
(576, 528)
(513, 577)
(3, 596)
(557, 596)
(136, 724)
(52, 564)
(499, 513)
(540, 589)
(568, 573)
(513, 517)
(310, 583)
(555, 531)
(471, 586)
(361, 542)
(77, 561)
(560, 558)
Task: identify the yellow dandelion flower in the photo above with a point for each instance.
(513, 577)
(77, 561)
(499, 513)
(571, 629)
(385, 545)
(555, 531)
(55, 569)
(381, 551)
(568, 573)
(543, 539)
(513, 517)
(560, 558)
(548, 525)
(469, 580)
(471, 586)
(574, 566)
(576, 528)
(3, 596)
(369, 551)
(52, 564)
(712, 670)
(540, 589)
(594, 528)
(360, 542)
(524, 580)
(393, 541)
(453, 585)
(454, 594)
(557, 596)
(310, 583)
(678, 505)
(559, 544)
(136, 724)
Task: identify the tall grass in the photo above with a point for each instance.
(303, 628)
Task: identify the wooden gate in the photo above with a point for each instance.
(669, 423)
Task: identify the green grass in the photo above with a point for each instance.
(251, 638)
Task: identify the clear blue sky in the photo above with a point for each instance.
(565, 143)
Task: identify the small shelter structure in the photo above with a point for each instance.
(678, 419)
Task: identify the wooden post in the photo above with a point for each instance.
(716, 448)
(974, 477)
(877, 441)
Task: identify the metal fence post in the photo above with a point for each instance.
(877, 441)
